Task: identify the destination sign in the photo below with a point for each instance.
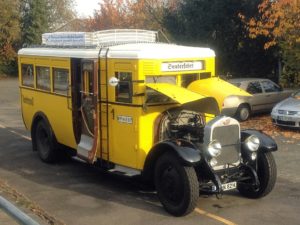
(181, 66)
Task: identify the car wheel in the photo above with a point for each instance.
(267, 174)
(177, 185)
(243, 113)
(45, 142)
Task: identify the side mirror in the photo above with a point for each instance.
(113, 81)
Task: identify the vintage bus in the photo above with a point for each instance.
(120, 99)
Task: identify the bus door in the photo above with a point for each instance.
(123, 127)
(88, 109)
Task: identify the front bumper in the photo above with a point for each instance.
(242, 175)
(286, 120)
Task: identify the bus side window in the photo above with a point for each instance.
(124, 89)
(60, 80)
(27, 75)
(43, 78)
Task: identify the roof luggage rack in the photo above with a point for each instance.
(99, 38)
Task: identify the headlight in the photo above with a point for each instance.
(214, 148)
(252, 143)
(274, 110)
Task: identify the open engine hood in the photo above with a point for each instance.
(187, 99)
(217, 88)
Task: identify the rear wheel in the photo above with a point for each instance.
(177, 185)
(267, 174)
(46, 144)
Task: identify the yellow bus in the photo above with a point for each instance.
(120, 99)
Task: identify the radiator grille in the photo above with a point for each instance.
(286, 112)
(228, 136)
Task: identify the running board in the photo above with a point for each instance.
(85, 145)
(126, 171)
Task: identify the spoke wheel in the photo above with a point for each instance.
(267, 174)
(177, 185)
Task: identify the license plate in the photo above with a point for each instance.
(229, 186)
(283, 118)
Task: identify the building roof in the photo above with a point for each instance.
(124, 51)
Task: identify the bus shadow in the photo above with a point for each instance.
(17, 158)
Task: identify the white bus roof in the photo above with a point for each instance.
(125, 51)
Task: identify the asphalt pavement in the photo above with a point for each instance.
(73, 192)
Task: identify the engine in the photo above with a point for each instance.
(182, 124)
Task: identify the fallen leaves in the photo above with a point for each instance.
(264, 124)
(25, 202)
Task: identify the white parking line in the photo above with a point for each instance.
(215, 217)
(199, 211)
(15, 132)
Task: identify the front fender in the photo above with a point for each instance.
(186, 151)
(267, 143)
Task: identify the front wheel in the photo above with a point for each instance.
(177, 185)
(267, 174)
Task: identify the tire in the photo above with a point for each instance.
(177, 185)
(243, 113)
(267, 174)
(45, 142)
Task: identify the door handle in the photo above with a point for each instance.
(69, 97)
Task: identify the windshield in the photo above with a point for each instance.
(155, 97)
(186, 79)
(161, 79)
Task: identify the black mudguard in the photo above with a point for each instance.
(188, 154)
(186, 151)
(267, 144)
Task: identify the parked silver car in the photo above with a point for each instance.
(265, 94)
(287, 112)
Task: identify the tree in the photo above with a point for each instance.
(9, 34)
(40, 16)
(139, 14)
(148, 14)
(216, 24)
(61, 12)
(112, 14)
(34, 21)
(279, 22)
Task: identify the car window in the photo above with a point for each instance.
(254, 87)
(269, 86)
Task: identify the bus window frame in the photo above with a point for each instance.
(118, 99)
(50, 80)
(33, 75)
(66, 92)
